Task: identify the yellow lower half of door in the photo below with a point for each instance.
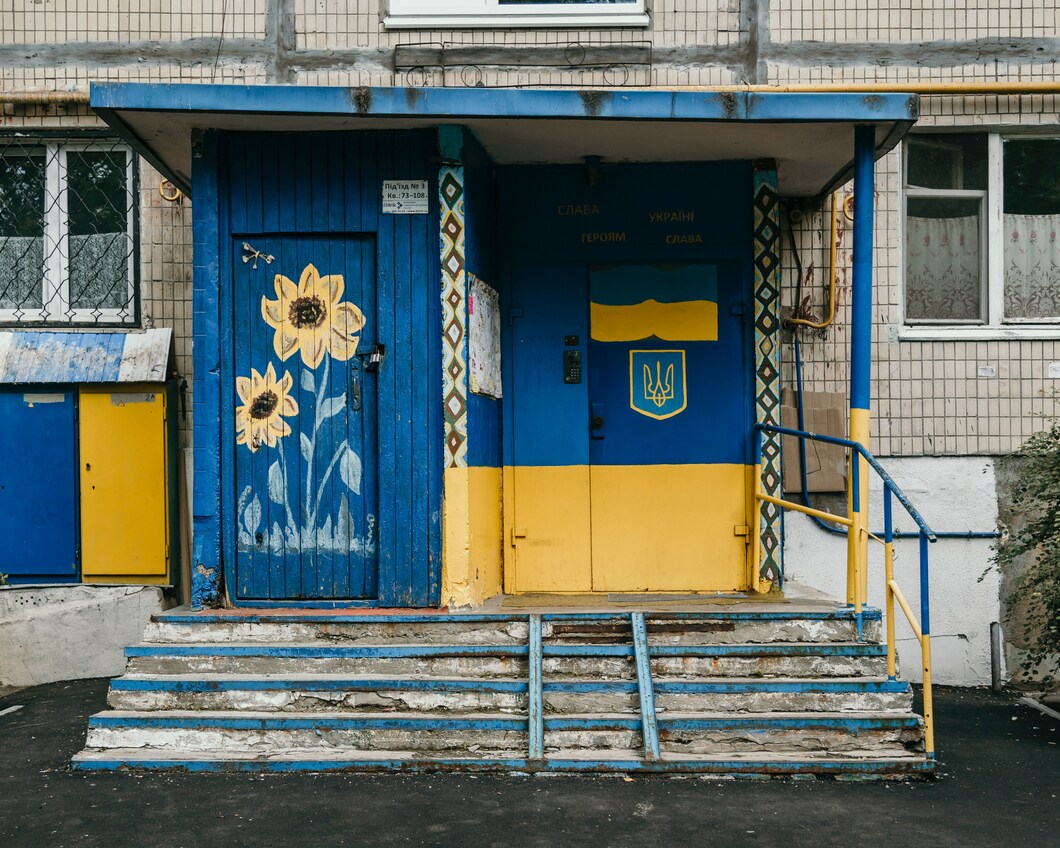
(669, 528)
(629, 528)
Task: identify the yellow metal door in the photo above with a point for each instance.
(124, 525)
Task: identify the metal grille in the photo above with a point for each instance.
(68, 240)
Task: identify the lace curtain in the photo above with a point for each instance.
(1032, 266)
(943, 267)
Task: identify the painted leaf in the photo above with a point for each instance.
(252, 517)
(332, 405)
(350, 469)
(308, 383)
(307, 447)
(276, 493)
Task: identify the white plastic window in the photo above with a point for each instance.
(451, 14)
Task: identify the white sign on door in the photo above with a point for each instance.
(405, 197)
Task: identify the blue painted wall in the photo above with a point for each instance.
(481, 259)
(255, 184)
(562, 224)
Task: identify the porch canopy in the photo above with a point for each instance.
(810, 135)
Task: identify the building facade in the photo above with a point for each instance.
(964, 318)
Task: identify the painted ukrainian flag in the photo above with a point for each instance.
(673, 303)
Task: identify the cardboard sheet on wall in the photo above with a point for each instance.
(826, 465)
(484, 338)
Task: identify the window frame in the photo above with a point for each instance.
(495, 14)
(56, 236)
(995, 326)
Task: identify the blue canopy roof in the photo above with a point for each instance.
(809, 134)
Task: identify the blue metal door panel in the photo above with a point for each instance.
(305, 417)
(668, 371)
(38, 486)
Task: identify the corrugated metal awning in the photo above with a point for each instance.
(810, 135)
(85, 357)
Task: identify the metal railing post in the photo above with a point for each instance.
(925, 649)
(888, 562)
(535, 711)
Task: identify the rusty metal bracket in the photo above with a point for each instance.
(645, 687)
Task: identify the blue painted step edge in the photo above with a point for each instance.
(852, 649)
(842, 614)
(465, 685)
(513, 723)
(722, 767)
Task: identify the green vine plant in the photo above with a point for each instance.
(3, 579)
(1030, 554)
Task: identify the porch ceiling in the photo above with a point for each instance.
(810, 135)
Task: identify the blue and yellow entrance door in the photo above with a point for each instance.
(631, 468)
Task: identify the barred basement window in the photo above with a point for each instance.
(67, 232)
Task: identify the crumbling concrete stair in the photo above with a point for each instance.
(734, 692)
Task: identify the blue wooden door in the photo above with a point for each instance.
(38, 486)
(305, 416)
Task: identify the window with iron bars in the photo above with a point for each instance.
(68, 231)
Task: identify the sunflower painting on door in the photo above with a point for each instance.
(311, 321)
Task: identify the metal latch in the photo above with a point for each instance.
(373, 358)
(518, 533)
(741, 530)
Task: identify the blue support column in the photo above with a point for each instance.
(207, 562)
(861, 356)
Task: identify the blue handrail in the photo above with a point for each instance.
(863, 452)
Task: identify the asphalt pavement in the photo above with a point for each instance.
(998, 785)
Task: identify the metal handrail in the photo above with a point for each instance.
(892, 592)
(864, 452)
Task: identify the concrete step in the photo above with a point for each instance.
(729, 733)
(316, 692)
(345, 692)
(762, 627)
(337, 629)
(798, 659)
(699, 628)
(487, 734)
(752, 695)
(865, 764)
(482, 734)
(566, 659)
(391, 658)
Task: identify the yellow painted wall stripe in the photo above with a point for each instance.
(690, 320)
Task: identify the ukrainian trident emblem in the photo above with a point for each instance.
(657, 384)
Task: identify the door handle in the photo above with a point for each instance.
(355, 392)
(596, 421)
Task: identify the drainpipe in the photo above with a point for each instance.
(861, 359)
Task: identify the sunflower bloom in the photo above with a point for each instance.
(309, 318)
(263, 403)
